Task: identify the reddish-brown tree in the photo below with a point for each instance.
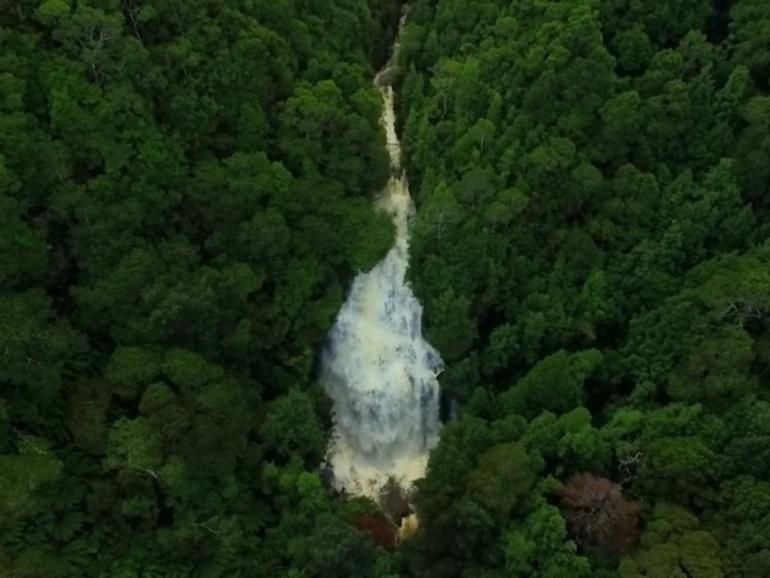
(380, 530)
(598, 514)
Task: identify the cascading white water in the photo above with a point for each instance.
(377, 368)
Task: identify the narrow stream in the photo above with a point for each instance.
(377, 367)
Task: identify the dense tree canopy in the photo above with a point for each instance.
(186, 193)
(590, 248)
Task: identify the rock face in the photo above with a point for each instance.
(394, 501)
(377, 367)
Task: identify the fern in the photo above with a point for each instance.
(128, 567)
(68, 526)
(166, 570)
(13, 537)
(80, 554)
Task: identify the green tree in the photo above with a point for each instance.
(674, 545)
(555, 384)
(503, 476)
(540, 547)
(291, 427)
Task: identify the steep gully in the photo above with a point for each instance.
(377, 367)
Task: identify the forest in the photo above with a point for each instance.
(187, 192)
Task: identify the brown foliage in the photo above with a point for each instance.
(598, 514)
(379, 529)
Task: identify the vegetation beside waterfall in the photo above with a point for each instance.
(591, 251)
(186, 192)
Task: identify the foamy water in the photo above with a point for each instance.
(377, 367)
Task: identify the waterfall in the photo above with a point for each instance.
(377, 367)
